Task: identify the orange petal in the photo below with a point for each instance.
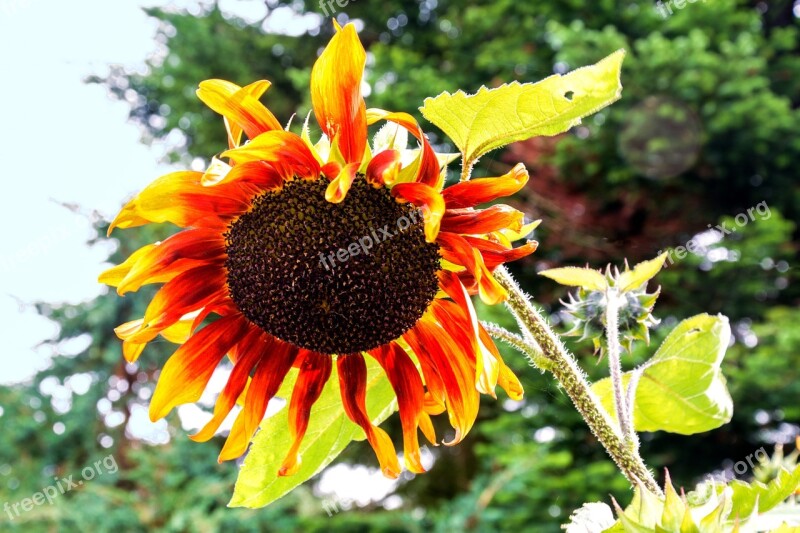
(336, 94)
(181, 198)
(432, 342)
(250, 351)
(427, 165)
(236, 443)
(353, 387)
(487, 365)
(114, 275)
(434, 399)
(338, 187)
(262, 175)
(315, 369)
(188, 292)
(272, 368)
(284, 150)
(481, 190)
(482, 221)
(180, 252)
(408, 387)
(186, 373)
(428, 199)
(240, 106)
(383, 168)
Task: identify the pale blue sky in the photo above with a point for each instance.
(64, 141)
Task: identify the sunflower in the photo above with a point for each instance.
(302, 255)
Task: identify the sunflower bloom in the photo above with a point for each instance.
(302, 255)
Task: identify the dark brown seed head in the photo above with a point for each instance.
(333, 278)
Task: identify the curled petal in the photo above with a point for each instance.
(507, 380)
(338, 187)
(240, 107)
(495, 254)
(186, 373)
(353, 387)
(482, 221)
(315, 369)
(383, 168)
(427, 165)
(482, 190)
(336, 93)
(457, 250)
(426, 198)
(285, 151)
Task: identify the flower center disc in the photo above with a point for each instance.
(333, 278)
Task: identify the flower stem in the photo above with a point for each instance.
(615, 364)
(529, 349)
(566, 371)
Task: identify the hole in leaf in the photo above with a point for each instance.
(569, 94)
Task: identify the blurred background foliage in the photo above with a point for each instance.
(706, 129)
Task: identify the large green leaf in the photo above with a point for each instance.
(329, 432)
(681, 388)
(492, 118)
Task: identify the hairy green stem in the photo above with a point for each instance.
(615, 364)
(572, 380)
(530, 350)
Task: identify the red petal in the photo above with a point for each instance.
(353, 386)
(457, 250)
(250, 351)
(272, 368)
(408, 387)
(458, 376)
(482, 221)
(187, 292)
(315, 369)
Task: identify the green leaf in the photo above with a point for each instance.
(681, 388)
(329, 432)
(589, 279)
(641, 273)
(492, 118)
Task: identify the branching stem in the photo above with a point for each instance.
(566, 371)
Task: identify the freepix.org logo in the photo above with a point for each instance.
(48, 495)
(364, 244)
